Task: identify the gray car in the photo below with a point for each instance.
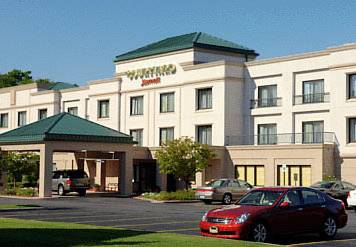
(223, 190)
(64, 181)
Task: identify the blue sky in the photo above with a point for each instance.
(76, 41)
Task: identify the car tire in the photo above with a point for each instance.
(207, 202)
(329, 228)
(227, 199)
(82, 192)
(259, 232)
(61, 190)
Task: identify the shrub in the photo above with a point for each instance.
(32, 192)
(167, 196)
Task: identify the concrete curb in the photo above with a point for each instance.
(20, 209)
(166, 201)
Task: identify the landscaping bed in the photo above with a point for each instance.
(180, 195)
(16, 206)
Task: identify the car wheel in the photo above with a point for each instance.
(61, 190)
(259, 233)
(82, 192)
(329, 228)
(227, 199)
(207, 202)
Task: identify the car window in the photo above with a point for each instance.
(348, 186)
(216, 183)
(260, 198)
(56, 175)
(292, 197)
(323, 185)
(312, 197)
(234, 184)
(337, 186)
(244, 184)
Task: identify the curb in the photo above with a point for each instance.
(21, 209)
(166, 201)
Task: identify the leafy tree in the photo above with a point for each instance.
(183, 158)
(18, 77)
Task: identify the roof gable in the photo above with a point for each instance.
(185, 41)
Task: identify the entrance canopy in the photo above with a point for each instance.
(68, 133)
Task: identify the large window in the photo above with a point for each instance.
(267, 96)
(73, 110)
(352, 129)
(313, 91)
(167, 102)
(267, 134)
(4, 120)
(204, 134)
(136, 107)
(42, 114)
(253, 174)
(103, 108)
(166, 135)
(21, 118)
(352, 86)
(204, 98)
(293, 175)
(313, 132)
(137, 135)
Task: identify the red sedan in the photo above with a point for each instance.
(265, 212)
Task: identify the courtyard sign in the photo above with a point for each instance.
(152, 71)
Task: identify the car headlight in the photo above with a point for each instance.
(204, 217)
(242, 218)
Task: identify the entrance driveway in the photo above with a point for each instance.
(142, 215)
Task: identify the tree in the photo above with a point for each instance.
(18, 77)
(183, 158)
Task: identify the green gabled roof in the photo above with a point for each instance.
(61, 85)
(185, 41)
(64, 127)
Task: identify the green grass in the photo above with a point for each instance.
(14, 232)
(166, 196)
(15, 206)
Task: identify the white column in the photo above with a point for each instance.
(45, 172)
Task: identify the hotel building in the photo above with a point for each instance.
(282, 121)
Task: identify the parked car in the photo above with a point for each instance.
(266, 212)
(337, 189)
(223, 190)
(351, 199)
(64, 181)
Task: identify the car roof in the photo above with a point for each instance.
(282, 188)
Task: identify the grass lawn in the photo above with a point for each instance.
(14, 206)
(14, 232)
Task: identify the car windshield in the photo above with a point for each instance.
(216, 183)
(260, 198)
(323, 185)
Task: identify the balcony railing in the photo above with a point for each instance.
(311, 98)
(288, 138)
(265, 102)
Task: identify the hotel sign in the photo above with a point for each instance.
(151, 75)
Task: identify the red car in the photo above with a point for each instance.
(266, 212)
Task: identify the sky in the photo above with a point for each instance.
(76, 41)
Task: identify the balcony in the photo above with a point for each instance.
(288, 138)
(311, 98)
(266, 102)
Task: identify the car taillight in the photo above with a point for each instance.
(69, 182)
(343, 205)
(348, 194)
(204, 191)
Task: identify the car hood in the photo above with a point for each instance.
(233, 211)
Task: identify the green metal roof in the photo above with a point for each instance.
(61, 85)
(64, 127)
(185, 41)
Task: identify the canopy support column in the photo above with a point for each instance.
(45, 171)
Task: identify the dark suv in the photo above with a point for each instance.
(64, 181)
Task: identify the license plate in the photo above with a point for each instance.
(214, 229)
(201, 197)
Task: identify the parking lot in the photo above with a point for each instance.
(135, 214)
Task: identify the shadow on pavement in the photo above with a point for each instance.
(38, 237)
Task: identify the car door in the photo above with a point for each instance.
(55, 178)
(235, 189)
(286, 220)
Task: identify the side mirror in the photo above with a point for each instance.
(284, 205)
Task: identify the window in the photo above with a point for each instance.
(167, 102)
(352, 129)
(4, 120)
(352, 86)
(313, 91)
(136, 105)
(293, 198)
(204, 134)
(21, 118)
(253, 174)
(166, 135)
(137, 136)
(267, 96)
(42, 114)
(103, 108)
(293, 175)
(313, 132)
(267, 134)
(204, 98)
(312, 197)
(234, 184)
(348, 186)
(73, 110)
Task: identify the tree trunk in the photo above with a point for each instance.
(186, 180)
